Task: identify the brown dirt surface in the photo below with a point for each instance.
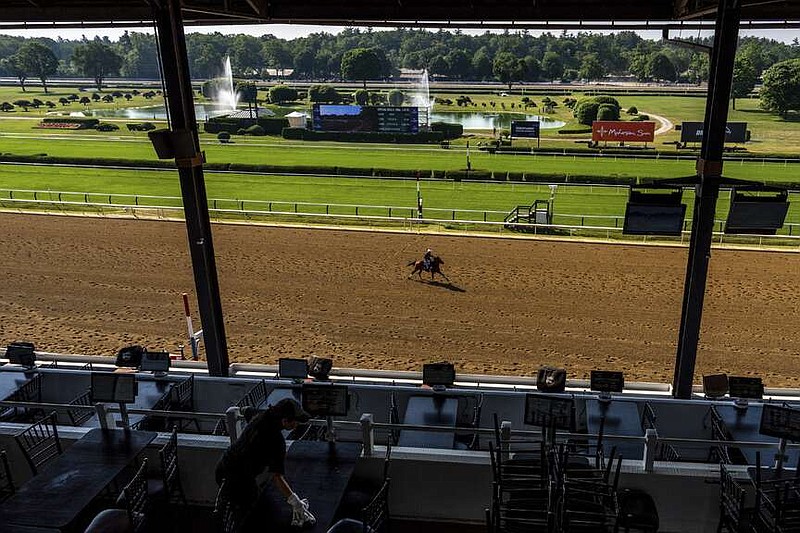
(88, 285)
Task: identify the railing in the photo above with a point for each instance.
(399, 216)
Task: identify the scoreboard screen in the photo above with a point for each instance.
(326, 117)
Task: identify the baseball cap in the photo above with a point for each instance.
(291, 409)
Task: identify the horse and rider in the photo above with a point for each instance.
(429, 263)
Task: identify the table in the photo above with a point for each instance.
(429, 411)
(743, 425)
(621, 418)
(149, 392)
(317, 470)
(10, 381)
(68, 484)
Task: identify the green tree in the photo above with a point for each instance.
(744, 78)
(96, 60)
(38, 60)
(361, 64)
(780, 91)
(507, 68)
(323, 93)
(13, 65)
(552, 66)
(660, 67)
(591, 68)
(396, 97)
(281, 93)
(482, 64)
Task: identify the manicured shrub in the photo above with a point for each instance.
(607, 112)
(106, 126)
(281, 93)
(255, 129)
(223, 136)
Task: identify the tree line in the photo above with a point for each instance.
(363, 54)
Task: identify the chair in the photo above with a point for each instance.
(229, 517)
(135, 500)
(374, 516)
(170, 472)
(182, 399)
(39, 442)
(255, 396)
(30, 391)
(78, 416)
(470, 440)
(394, 419)
(733, 515)
(648, 419)
(7, 488)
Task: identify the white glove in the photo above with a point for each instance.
(301, 516)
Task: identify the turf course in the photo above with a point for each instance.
(438, 195)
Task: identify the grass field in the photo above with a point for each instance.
(438, 195)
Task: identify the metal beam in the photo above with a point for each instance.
(189, 159)
(709, 170)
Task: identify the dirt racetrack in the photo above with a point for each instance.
(86, 285)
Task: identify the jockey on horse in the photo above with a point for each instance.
(427, 259)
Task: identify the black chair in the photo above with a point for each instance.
(135, 500)
(648, 419)
(360, 492)
(255, 396)
(30, 391)
(77, 417)
(170, 471)
(182, 399)
(470, 418)
(229, 516)
(39, 442)
(374, 516)
(7, 488)
(394, 419)
(734, 516)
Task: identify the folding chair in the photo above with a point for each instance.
(170, 471)
(229, 517)
(78, 416)
(135, 500)
(39, 442)
(7, 488)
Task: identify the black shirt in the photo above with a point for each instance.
(261, 445)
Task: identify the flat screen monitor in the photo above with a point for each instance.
(325, 400)
(111, 387)
(155, 362)
(606, 381)
(715, 385)
(653, 219)
(781, 422)
(745, 387)
(545, 410)
(755, 216)
(292, 368)
(21, 353)
(434, 374)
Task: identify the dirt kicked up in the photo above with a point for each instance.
(91, 286)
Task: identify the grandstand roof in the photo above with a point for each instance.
(391, 12)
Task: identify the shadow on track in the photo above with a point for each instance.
(443, 285)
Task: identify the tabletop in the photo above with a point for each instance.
(68, 484)
(621, 418)
(744, 425)
(317, 470)
(149, 392)
(429, 411)
(11, 381)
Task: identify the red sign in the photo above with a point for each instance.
(607, 130)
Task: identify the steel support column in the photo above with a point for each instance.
(180, 102)
(709, 170)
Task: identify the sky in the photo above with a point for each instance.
(291, 31)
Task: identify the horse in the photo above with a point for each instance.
(419, 267)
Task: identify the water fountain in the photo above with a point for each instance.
(420, 97)
(225, 95)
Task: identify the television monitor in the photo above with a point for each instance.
(606, 381)
(756, 215)
(544, 410)
(780, 421)
(438, 374)
(325, 400)
(21, 353)
(112, 387)
(715, 385)
(155, 362)
(292, 368)
(745, 387)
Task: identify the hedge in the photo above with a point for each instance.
(271, 126)
(449, 129)
(302, 134)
